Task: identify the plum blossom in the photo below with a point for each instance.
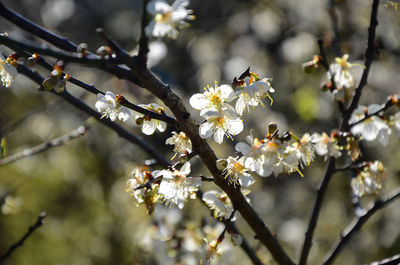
(168, 18)
(326, 146)
(368, 181)
(372, 127)
(235, 171)
(181, 142)
(218, 202)
(252, 95)
(108, 105)
(7, 71)
(396, 123)
(149, 125)
(218, 124)
(341, 76)
(176, 187)
(147, 195)
(213, 98)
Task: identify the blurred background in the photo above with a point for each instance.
(81, 185)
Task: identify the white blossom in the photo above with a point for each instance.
(176, 187)
(110, 108)
(181, 142)
(7, 72)
(252, 95)
(370, 128)
(218, 202)
(368, 181)
(168, 18)
(213, 98)
(396, 123)
(236, 172)
(218, 124)
(149, 125)
(325, 146)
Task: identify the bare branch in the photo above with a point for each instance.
(81, 130)
(20, 242)
(143, 39)
(357, 224)
(316, 210)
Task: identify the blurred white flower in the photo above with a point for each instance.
(149, 125)
(371, 127)
(108, 106)
(7, 72)
(176, 187)
(219, 124)
(146, 195)
(181, 142)
(213, 99)
(396, 123)
(168, 18)
(219, 203)
(325, 146)
(368, 181)
(11, 205)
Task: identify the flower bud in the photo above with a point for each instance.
(50, 82)
(82, 48)
(139, 121)
(103, 51)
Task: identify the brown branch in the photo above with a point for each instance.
(20, 242)
(369, 56)
(316, 210)
(81, 130)
(143, 39)
(357, 224)
(58, 41)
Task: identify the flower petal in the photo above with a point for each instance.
(206, 130)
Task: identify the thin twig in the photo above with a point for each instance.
(58, 41)
(335, 27)
(395, 260)
(357, 224)
(19, 243)
(351, 167)
(369, 56)
(85, 108)
(316, 210)
(81, 130)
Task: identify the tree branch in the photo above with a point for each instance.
(20, 242)
(316, 210)
(335, 26)
(143, 39)
(369, 56)
(81, 130)
(85, 108)
(357, 224)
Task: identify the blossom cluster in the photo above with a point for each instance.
(171, 186)
(221, 117)
(276, 154)
(374, 127)
(368, 180)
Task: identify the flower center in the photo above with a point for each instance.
(163, 17)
